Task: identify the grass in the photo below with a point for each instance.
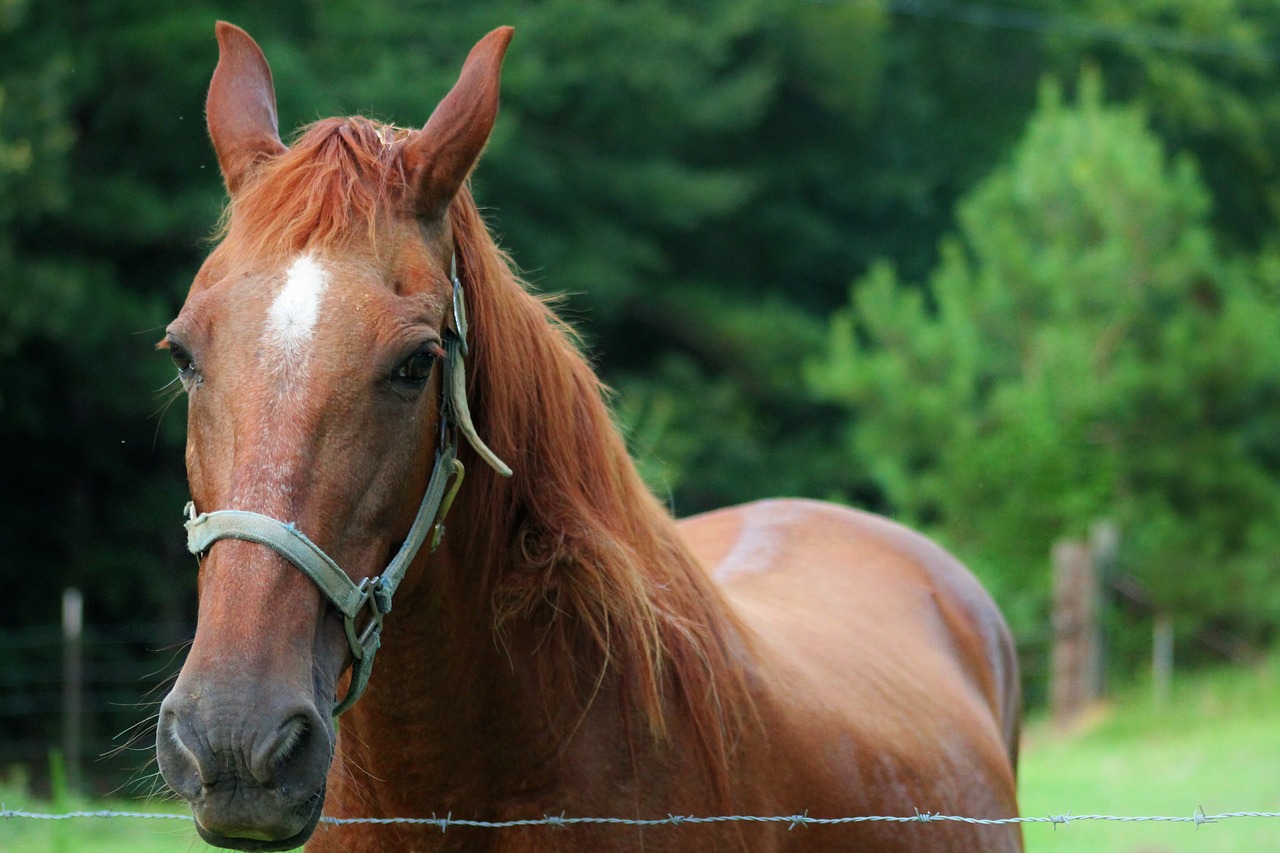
(94, 835)
(1216, 745)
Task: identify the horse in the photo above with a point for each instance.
(353, 345)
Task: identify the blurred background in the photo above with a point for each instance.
(1007, 271)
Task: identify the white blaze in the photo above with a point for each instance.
(292, 316)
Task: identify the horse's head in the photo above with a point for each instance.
(315, 347)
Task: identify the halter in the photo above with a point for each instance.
(373, 592)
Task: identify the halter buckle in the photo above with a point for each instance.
(369, 639)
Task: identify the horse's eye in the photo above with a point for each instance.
(416, 369)
(181, 359)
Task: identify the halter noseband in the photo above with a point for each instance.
(289, 542)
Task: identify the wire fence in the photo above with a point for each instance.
(804, 820)
(85, 692)
(128, 654)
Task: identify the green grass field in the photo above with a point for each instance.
(1215, 746)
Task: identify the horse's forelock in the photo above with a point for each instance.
(335, 183)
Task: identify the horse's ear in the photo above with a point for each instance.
(438, 158)
(241, 107)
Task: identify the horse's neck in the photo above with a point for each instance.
(484, 714)
(462, 716)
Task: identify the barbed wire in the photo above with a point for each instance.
(1198, 817)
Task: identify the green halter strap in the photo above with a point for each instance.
(373, 592)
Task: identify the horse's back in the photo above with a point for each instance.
(887, 676)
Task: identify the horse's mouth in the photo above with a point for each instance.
(311, 808)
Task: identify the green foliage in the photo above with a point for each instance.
(35, 136)
(1083, 352)
(1206, 73)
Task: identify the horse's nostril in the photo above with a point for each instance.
(295, 756)
(275, 750)
(179, 758)
(292, 735)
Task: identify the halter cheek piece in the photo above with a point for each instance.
(374, 592)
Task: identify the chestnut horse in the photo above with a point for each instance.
(566, 647)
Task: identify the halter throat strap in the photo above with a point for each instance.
(373, 593)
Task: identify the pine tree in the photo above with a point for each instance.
(1082, 351)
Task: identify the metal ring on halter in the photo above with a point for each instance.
(359, 644)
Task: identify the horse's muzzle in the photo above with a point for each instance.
(254, 776)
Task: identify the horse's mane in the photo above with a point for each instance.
(584, 543)
(584, 548)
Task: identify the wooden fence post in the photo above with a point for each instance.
(1074, 680)
(72, 685)
(1104, 541)
(1161, 658)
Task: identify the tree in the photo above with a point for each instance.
(1081, 351)
(1205, 74)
